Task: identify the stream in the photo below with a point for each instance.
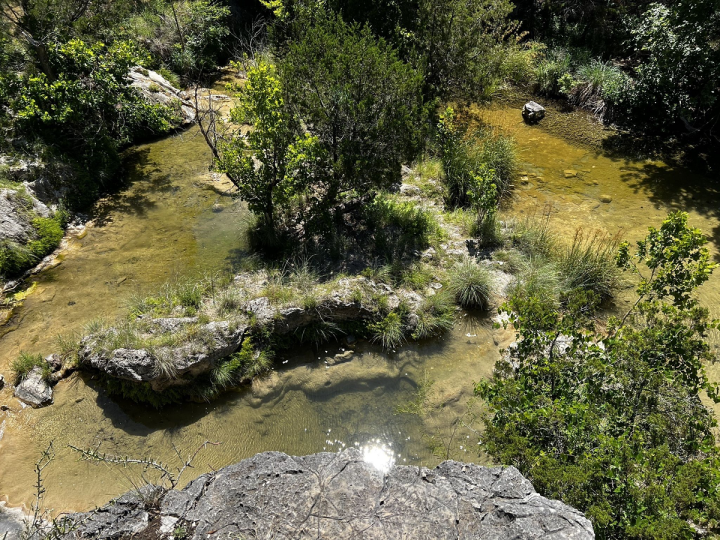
(174, 220)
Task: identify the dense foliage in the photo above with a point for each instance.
(611, 421)
(334, 122)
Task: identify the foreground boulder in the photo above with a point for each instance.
(533, 112)
(331, 496)
(34, 390)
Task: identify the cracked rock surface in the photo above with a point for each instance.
(340, 496)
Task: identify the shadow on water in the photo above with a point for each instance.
(299, 371)
(677, 189)
(144, 178)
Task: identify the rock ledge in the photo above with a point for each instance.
(331, 496)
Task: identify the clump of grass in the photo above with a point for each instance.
(538, 279)
(464, 218)
(319, 332)
(513, 260)
(533, 237)
(470, 284)
(165, 363)
(389, 332)
(169, 76)
(181, 293)
(417, 277)
(26, 362)
(304, 276)
(229, 301)
(378, 273)
(486, 228)
(68, 347)
(245, 364)
(435, 317)
(589, 263)
(399, 227)
(427, 175)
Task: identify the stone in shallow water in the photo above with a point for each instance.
(533, 112)
(570, 173)
(34, 390)
(605, 198)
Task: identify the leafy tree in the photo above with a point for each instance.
(679, 68)
(261, 163)
(88, 110)
(461, 45)
(359, 100)
(612, 422)
(189, 36)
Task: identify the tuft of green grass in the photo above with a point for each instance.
(417, 277)
(435, 317)
(470, 284)
(245, 364)
(589, 263)
(428, 176)
(26, 362)
(229, 301)
(169, 76)
(389, 332)
(538, 279)
(319, 332)
(68, 347)
(533, 236)
(379, 274)
(513, 260)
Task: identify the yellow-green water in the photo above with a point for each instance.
(164, 225)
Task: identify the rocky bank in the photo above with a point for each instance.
(334, 496)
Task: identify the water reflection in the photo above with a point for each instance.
(379, 455)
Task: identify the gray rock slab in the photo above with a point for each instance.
(332, 496)
(34, 390)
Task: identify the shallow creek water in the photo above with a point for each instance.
(173, 220)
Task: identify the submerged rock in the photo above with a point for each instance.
(605, 198)
(329, 496)
(34, 390)
(533, 112)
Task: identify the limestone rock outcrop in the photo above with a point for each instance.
(331, 496)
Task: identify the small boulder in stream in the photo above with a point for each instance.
(533, 112)
(34, 390)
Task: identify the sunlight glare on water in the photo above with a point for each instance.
(379, 455)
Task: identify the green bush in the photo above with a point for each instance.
(398, 227)
(470, 284)
(611, 421)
